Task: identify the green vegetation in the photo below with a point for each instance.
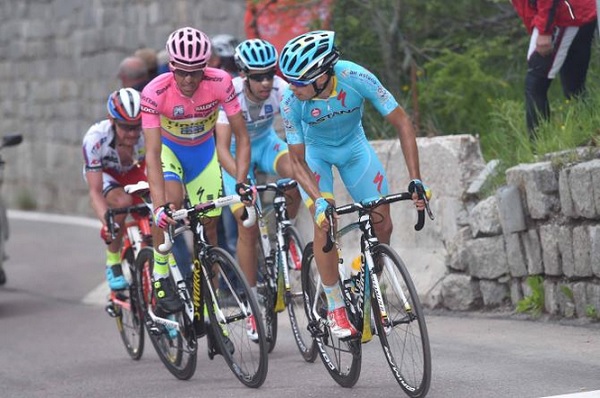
(533, 303)
(592, 312)
(459, 68)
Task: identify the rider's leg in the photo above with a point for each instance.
(284, 169)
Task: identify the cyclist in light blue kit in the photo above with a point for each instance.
(322, 111)
(259, 92)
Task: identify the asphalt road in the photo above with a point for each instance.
(57, 341)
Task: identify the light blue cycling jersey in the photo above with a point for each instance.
(332, 132)
(266, 148)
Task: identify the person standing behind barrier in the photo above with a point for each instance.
(114, 156)
(322, 115)
(150, 57)
(260, 92)
(179, 113)
(561, 41)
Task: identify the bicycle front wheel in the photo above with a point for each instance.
(295, 299)
(267, 295)
(342, 358)
(402, 331)
(130, 318)
(177, 349)
(235, 319)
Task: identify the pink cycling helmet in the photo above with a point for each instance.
(189, 47)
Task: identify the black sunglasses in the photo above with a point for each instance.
(259, 77)
(129, 127)
(195, 74)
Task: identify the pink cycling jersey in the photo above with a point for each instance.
(188, 121)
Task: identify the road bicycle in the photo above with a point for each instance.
(279, 266)
(8, 140)
(217, 303)
(124, 305)
(380, 299)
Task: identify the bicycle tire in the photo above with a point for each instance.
(247, 359)
(267, 295)
(404, 339)
(130, 323)
(295, 299)
(178, 352)
(342, 358)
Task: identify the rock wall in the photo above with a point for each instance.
(58, 62)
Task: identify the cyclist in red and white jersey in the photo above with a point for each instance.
(179, 113)
(113, 152)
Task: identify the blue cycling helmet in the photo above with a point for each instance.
(308, 56)
(124, 105)
(255, 54)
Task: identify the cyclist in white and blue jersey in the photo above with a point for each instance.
(259, 92)
(322, 115)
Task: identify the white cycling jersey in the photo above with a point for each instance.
(258, 117)
(100, 152)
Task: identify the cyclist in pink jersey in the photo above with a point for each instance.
(179, 113)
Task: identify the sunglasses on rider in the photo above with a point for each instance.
(194, 74)
(129, 127)
(301, 83)
(259, 77)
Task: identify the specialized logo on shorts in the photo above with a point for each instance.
(316, 112)
(378, 180)
(178, 111)
(317, 177)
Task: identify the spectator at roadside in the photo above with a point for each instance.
(561, 40)
(133, 73)
(223, 50)
(150, 57)
(163, 61)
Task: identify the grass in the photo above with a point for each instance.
(534, 302)
(572, 124)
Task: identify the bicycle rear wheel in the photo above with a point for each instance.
(229, 308)
(295, 299)
(267, 294)
(342, 358)
(130, 320)
(404, 337)
(177, 349)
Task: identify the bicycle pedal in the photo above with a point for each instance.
(111, 310)
(315, 329)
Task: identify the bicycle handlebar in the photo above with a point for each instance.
(371, 204)
(201, 208)
(281, 185)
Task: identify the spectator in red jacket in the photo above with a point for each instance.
(561, 41)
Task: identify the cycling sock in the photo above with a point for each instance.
(334, 296)
(161, 265)
(112, 258)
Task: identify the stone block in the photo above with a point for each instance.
(582, 189)
(539, 183)
(580, 299)
(564, 192)
(487, 257)
(493, 293)
(460, 293)
(550, 298)
(514, 255)
(484, 218)
(594, 231)
(565, 247)
(581, 251)
(533, 252)
(549, 234)
(510, 209)
(516, 291)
